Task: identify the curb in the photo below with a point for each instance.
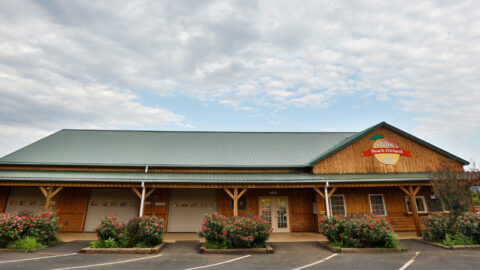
(153, 250)
(268, 249)
(359, 250)
(448, 247)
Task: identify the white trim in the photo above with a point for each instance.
(407, 199)
(317, 262)
(220, 263)
(344, 204)
(273, 214)
(383, 203)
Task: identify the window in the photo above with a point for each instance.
(420, 203)
(337, 205)
(377, 205)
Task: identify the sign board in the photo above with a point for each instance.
(385, 150)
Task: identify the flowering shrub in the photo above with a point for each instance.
(40, 225)
(147, 231)
(220, 231)
(368, 231)
(438, 226)
(465, 229)
(138, 232)
(109, 228)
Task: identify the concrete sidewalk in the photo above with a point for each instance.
(276, 237)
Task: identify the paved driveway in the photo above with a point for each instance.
(184, 255)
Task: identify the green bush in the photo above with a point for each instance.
(27, 243)
(468, 225)
(367, 231)
(438, 226)
(40, 225)
(465, 228)
(109, 228)
(457, 239)
(223, 232)
(138, 232)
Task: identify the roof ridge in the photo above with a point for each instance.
(210, 131)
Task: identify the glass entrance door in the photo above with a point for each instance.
(275, 211)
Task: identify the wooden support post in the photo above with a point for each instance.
(235, 196)
(319, 192)
(411, 193)
(331, 192)
(139, 195)
(49, 193)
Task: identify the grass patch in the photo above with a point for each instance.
(27, 243)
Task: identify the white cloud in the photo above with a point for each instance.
(82, 62)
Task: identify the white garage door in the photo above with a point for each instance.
(25, 198)
(188, 208)
(122, 202)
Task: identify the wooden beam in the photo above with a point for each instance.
(242, 192)
(149, 192)
(319, 192)
(416, 191)
(48, 200)
(405, 190)
(235, 202)
(413, 206)
(56, 191)
(139, 195)
(331, 192)
(44, 191)
(229, 193)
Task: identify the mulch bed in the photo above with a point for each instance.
(449, 247)
(327, 245)
(153, 250)
(268, 249)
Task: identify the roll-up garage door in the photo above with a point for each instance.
(188, 208)
(25, 198)
(122, 202)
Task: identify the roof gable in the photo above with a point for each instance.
(348, 153)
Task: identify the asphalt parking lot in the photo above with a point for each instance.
(184, 255)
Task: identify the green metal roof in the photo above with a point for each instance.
(192, 149)
(202, 178)
(177, 149)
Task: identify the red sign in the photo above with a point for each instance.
(374, 151)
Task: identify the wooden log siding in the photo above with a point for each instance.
(157, 204)
(300, 203)
(71, 208)
(4, 191)
(350, 159)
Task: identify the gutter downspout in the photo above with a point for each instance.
(142, 200)
(327, 203)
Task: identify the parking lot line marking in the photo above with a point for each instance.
(39, 258)
(409, 262)
(215, 264)
(322, 260)
(109, 263)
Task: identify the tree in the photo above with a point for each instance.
(454, 189)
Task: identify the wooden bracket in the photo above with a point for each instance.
(319, 192)
(235, 196)
(331, 192)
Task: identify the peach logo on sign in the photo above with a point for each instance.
(385, 150)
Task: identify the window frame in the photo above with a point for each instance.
(407, 199)
(383, 203)
(344, 204)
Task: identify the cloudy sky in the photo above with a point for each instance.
(241, 66)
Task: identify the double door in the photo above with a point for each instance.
(275, 210)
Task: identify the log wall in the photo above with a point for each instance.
(300, 203)
(71, 208)
(350, 159)
(4, 191)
